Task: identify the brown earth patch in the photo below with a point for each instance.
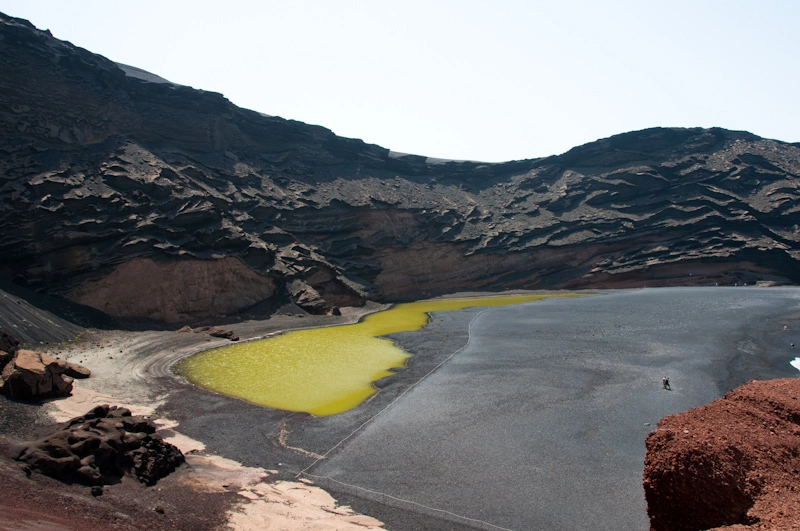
(143, 287)
(732, 464)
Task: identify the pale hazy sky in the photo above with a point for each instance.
(491, 80)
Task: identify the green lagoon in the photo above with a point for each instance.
(322, 371)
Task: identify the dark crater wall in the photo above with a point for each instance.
(206, 208)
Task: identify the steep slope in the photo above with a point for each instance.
(113, 187)
(732, 464)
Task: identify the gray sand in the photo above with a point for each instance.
(539, 423)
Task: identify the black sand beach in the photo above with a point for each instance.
(539, 423)
(522, 417)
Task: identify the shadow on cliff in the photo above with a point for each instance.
(37, 318)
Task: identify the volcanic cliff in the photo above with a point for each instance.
(732, 464)
(142, 198)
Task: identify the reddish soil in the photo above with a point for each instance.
(733, 464)
(44, 504)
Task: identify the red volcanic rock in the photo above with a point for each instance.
(734, 462)
(74, 370)
(30, 375)
(34, 375)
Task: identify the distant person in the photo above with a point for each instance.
(665, 383)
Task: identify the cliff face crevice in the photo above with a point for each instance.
(99, 169)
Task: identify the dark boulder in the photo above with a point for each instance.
(74, 370)
(9, 345)
(223, 333)
(100, 447)
(213, 331)
(306, 297)
(31, 375)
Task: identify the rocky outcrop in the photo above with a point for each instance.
(100, 447)
(26, 375)
(306, 297)
(115, 190)
(734, 462)
(32, 375)
(223, 333)
(9, 345)
(213, 331)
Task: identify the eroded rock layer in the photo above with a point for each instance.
(106, 176)
(734, 462)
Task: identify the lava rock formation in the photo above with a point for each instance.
(100, 447)
(142, 198)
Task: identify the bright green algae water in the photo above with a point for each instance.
(322, 371)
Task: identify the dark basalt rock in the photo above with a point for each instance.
(306, 297)
(223, 333)
(9, 345)
(100, 447)
(100, 168)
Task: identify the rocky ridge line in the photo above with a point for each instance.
(112, 187)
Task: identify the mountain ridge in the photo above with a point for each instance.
(113, 185)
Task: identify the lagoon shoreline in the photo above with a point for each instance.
(132, 369)
(546, 410)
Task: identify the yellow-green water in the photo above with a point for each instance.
(322, 371)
